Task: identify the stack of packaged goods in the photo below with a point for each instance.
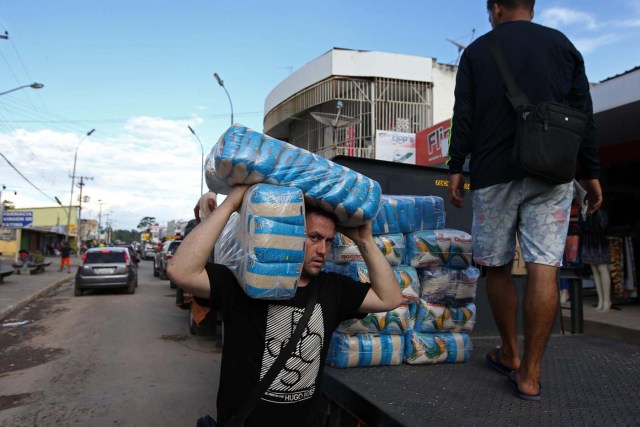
(374, 340)
(444, 315)
(263, 244)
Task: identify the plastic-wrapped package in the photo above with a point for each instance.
(406, 214)
(440, 347)
(244, 156)
(407, 277)
(438, 317)
(439, 248)
(263, 245)
(349, 351)
(344, 249)
(390, 322)
(441, 285)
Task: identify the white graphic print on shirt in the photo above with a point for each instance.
(296, 381)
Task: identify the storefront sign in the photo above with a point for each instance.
(17, 219)
(396, 146)
(432, 144)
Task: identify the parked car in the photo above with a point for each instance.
(163, 257)
(106, 268)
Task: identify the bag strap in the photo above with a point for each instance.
(278, 364)
(516, 97)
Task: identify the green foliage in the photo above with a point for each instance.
(146, 222)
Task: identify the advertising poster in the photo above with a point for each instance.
(396, 146)
(432, 144)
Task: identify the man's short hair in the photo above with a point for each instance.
(308, 208)
(512, 4)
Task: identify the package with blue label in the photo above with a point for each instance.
(390, 322)
(439, 248)
(407, 277)
(263, 245)
(349, 351)
(244, 156)
(344, 249)
(441, 285)
(406, 214)
(438, 317)
(439, 347)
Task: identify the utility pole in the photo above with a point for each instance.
(80, 184)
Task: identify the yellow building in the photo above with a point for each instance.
(36, 229)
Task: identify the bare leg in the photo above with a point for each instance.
(540, 308)
(503, 299)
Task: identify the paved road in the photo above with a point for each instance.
(106, 359)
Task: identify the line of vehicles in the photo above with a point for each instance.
(116, 267)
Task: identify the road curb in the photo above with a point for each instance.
(7, 311)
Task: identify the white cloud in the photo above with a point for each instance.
(557, 17)
(591, 44)
(152, 168)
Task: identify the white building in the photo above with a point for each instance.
(335, 104)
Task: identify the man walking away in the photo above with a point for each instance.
(65, 257)
(507, 202)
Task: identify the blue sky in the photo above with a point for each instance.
(141, 71)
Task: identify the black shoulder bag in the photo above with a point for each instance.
(239, 418)
(548, 134)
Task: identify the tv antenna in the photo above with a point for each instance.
(334, 120)
(461, 46)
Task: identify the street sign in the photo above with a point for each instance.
(17, 219)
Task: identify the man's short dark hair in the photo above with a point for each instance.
(512, 4)
(309, 208)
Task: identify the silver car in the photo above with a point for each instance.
(107, 268)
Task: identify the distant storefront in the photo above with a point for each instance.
(36, 229)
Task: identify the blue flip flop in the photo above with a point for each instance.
(495, 362)
(530, 397)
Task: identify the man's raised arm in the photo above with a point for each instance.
(384, 294)
(187, 268)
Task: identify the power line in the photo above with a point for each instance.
(26, 179)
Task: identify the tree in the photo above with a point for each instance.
(146, 222)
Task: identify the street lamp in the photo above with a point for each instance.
(202, 159)
(73, 177)
(32, 86)
(221, 83)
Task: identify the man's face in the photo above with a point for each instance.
(320, 233)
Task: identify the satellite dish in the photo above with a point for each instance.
(334, 120)
(461, 46)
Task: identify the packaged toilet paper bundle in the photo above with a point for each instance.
(344, 249)
(439, 248)
(439, 347)
(348, 351)
(406, 214)
(263, 245)
(437, 317)
(407, 277)
(244, 156)
(390, 322)
(441, 285)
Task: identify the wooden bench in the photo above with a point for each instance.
(31, 267)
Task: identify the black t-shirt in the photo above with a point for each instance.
(256, 330)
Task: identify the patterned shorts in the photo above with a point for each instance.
(537, 211)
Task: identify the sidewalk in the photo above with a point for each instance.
(18, 290)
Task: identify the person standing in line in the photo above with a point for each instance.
(547, 67)
(256, 330)
(65, 256)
